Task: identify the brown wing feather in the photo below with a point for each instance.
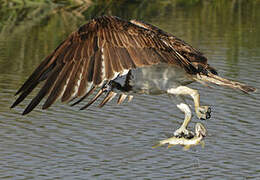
(37, 76)
(101, 49)
(125, 59)
(44, 90)
(108, 62)
(98, 74)
(41, 72)
(60, 84)
(85, 96)
(115, 62)
(73, 83)
(138, 57)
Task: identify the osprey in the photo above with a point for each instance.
(117, 57)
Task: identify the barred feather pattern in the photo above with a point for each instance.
(97, 53)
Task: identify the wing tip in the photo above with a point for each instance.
(27, 110)
(13, 105)
(99, 93)
(18, 101)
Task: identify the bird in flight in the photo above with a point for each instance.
(112, 57)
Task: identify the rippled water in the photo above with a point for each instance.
(115, 142)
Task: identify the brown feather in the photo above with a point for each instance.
(42, 69)
(151, 56)
(85, 96)
(139, 58)
(108, 63)
(74, 79)
(70, 71)
(101, 41)
(123, 37)
(99, 93)
(88, 59)
(60, 85)
(97, 72)
(90, 69)
(115, 61)
(113, 38)
(61, 53)
(78, 52)
(135, 41)
(118, 39)
(83, 82)
(126, 60)
(108, 98)
(90, 44)
(40, 74)
(121, 98)
(129, 38)
(69, 55)
(141, 38)
(107, 36)
(149, 41)
(24, 94)
(35, 75)
(44, 90)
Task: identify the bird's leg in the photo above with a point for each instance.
(184, 107)
(182, 131)
(203, 112)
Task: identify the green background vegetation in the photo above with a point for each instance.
(31, 29)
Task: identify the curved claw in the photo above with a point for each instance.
(203, 112)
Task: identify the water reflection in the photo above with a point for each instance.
(115, 142)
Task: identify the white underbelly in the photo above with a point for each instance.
(158, 79)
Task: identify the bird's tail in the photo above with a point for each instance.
(215, 79)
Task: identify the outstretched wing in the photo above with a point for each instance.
(99, 51)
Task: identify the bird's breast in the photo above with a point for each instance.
(156, 79)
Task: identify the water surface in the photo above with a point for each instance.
(115, 142)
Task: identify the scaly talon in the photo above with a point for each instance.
(203, 112)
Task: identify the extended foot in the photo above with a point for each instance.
(203, 112)
(183, 132)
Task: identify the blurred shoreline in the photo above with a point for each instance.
(40, 25)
